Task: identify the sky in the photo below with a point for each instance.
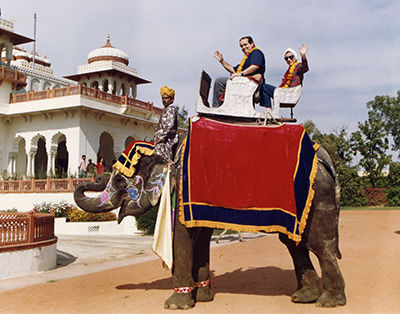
(353, 55)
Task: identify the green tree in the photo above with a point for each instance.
(393, 185)
(371, 142)
(338, 146)
(310, 128)
(394, 175)
(352, 191)
(388, 109)
(183, 121)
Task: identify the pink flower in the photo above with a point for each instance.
(105, 197)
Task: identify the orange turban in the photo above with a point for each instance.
(166, 90)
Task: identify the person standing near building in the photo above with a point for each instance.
(91, 168)
(252, 66)
(100, 166)
(165, 136)
(82, 168)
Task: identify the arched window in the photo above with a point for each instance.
(95, 84)
(46, 86)
(41, 160)
(105, 86)
(106, 149)
(62, 159)
(35, 85)
(128, 140)
(115, 88)
(21, 158)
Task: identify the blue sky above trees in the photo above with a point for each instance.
(353, 56)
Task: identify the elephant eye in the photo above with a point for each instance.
(120, 183)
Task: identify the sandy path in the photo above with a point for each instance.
(255, 276)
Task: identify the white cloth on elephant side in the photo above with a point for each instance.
(162, 242)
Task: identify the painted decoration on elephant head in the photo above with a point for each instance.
(107, 194)
(136, 187)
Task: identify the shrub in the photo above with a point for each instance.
(12, 210)
(393, 196)
(376, 196)
(73, 214)
(77, 215)
(5, 175)
(147, 222)
(41, 173)
(60, 209)
(352, 191)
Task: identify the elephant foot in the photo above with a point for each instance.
(204, 294)
(179, 301)
(309, 291)
(329, 299)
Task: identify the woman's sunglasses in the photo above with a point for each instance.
(289, 57)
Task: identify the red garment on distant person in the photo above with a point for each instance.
(100, 168)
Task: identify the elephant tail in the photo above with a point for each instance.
(337, 211)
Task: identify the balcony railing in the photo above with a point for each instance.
(42, 186)
(90, 92)
(12, 75)
(19, 230)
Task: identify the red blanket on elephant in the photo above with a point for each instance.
(247, 178)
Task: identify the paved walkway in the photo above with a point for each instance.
(82, 255)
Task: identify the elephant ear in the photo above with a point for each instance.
(155, 184)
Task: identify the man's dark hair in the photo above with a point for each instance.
(248, 38)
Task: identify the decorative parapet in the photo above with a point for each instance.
(87, 91)
(41, 71)
(25, 65)
(13, 76)
(25, 228)
(7, 25)
(42, 186)
(105, 65)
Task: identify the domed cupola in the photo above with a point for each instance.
(20, 54)
(107, 53)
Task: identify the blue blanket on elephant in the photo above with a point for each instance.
(247, 178)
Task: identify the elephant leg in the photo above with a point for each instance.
(322, 239)
(184, 238)
(307, 278)
(201, 267)
(332, 281)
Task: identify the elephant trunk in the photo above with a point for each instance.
(134, 208)
(99, 204)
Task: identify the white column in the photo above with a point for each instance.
(14, 162)
(11, 163)
(50, 162)
(29, 169)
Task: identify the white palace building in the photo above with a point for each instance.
(48, 123)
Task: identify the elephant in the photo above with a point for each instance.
(191, 246)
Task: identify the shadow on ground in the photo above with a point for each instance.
(64, 259)
(277, 281)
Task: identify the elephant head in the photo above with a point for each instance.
(134, 195)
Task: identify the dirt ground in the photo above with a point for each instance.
(255, 276)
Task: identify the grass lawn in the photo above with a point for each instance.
(371, 208)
